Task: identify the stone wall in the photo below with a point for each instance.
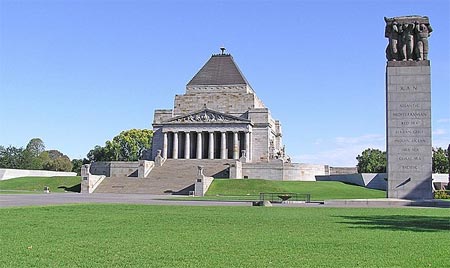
(277, 170)
(343, 170)
(157, 142)
(369, 180)
(260, 144)
(115, 169)
(162, 115)
(6, 173)
(235, 104)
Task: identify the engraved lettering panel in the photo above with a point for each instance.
(409, 132)
(409, 106)
(409, 141)
(417, 123)
(418, 150)
(413, 114)
(415, 88)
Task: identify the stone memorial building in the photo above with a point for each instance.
(218, 128)
(219, 117)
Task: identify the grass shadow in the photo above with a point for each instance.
(399, 223)
(75, 188)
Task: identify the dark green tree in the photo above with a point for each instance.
(129, 145)
(35, 146)
(32, 152)
(56, 161)
(12, 157)
(372, 161)
(440, 160)
(99, 153)
(77, 163)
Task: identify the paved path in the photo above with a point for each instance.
(9, 200)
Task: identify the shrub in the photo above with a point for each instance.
(442, 194)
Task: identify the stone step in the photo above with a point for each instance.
(176, 176)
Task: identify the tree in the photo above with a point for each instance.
(98, 154)
(129, 145)
(57, 161)
(371, 161)
(11, 157)
(77, 163)
(440, 160)
(34, 149)
(35, 146)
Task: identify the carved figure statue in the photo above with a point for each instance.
(407, 43)
(392, 32)
(408, 38)
(422, 32)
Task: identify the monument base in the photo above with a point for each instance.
(408, 94)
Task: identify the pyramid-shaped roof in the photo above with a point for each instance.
(219, 70)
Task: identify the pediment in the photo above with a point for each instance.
(207, 116)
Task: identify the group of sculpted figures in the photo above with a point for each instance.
(408, 38)
(203, 117)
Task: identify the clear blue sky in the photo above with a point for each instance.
(76, 73)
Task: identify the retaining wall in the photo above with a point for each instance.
(6, 173)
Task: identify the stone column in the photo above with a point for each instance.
(187, 146)
(211, 145)
(235, 145)
(247, 145)
(408, 112)
(199, 145)
(223, 148)
(175, 145)
(165, 145)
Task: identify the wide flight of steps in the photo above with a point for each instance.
(174, 177)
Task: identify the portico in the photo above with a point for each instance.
(211, 144)
(206, 134)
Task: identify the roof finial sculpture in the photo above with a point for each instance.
(223, 50)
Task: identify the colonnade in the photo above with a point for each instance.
(205, 144)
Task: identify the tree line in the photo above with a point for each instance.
(34, 156)
(129, 145)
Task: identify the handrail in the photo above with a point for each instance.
(285, 196)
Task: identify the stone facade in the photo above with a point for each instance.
(219, 117)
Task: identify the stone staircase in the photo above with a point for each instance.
(174, 177)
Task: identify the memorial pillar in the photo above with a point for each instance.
(175, 145)
(235, 145)
(211, 145)
(165, 145)
(223, 147)
(199, 145)
(187, 146)
(408, 110)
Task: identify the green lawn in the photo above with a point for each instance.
(319, 190)
(36, 184)
(175, 236)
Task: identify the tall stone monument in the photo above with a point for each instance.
(408, 108)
